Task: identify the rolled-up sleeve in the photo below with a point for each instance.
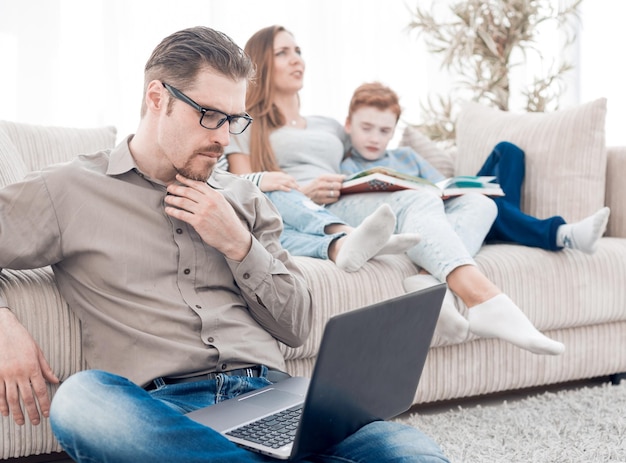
(278, 298)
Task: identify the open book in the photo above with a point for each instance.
(386, 179)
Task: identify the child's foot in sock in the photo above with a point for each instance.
(584, 235)
(367, 239)
(499, 317)
(399, 243)
(451, 325)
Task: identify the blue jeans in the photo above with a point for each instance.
(101, 417)
(304, 223)
(452, 231)
(506, 163)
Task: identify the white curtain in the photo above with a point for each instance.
(80, 62)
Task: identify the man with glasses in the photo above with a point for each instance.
(174, 269)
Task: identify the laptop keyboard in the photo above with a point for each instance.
(272, 431)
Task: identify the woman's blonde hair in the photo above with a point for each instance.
(260, 99)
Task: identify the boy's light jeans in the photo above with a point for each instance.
(452, 231)
(101, 417)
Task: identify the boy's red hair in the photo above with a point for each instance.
(377, 95)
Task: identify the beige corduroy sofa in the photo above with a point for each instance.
(573, 297)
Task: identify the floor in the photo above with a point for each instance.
(430, 408)
(500, 397)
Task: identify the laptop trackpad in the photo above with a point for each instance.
(224, 416)
(271, 399)
(229, 413)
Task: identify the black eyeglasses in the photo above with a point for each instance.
(210, 118)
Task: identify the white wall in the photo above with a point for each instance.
(80, 62)
(603, 63)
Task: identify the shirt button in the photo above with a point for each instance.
(224, 366)
(179, 231)
(210, 339)
(246, 276)
(186, 271)
(198, 306)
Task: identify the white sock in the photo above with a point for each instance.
(584, 235)
(399, 243)
(499, 317)
(367, 239)
(451, 325)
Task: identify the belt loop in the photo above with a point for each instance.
(158, 382)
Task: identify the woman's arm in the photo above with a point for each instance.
(239, 163)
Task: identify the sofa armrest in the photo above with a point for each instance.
(616, 191)
(34, 298)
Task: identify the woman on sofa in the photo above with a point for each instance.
(311, 149)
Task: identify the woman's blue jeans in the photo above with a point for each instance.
(452, 231)
(101, 417)
(304, 224)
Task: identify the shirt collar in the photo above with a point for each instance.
(121, 161)
(356, 155)
(214, 182)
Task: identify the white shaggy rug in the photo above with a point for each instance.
(586, 425)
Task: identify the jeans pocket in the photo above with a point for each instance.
(228, 387)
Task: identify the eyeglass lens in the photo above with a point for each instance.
(213, 120)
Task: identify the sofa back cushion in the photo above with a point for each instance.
(39, 146)
(440, 159)
(12, 167)
(565, 154)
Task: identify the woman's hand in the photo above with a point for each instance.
(278, 181)
(325, 189)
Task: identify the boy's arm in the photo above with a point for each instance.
(426, 169)
(349, 166)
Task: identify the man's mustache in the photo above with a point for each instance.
(211, 149)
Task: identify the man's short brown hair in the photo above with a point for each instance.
(180, 56)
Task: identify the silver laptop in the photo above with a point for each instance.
(368, 367)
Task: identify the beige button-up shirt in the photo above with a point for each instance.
(153, 298)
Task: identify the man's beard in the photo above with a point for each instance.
(192, 173)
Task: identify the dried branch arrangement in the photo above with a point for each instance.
(478, 41)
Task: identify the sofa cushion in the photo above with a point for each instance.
(335, 291)
(40, 146)
(565, 154)
(12, 167)
(559, 290)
